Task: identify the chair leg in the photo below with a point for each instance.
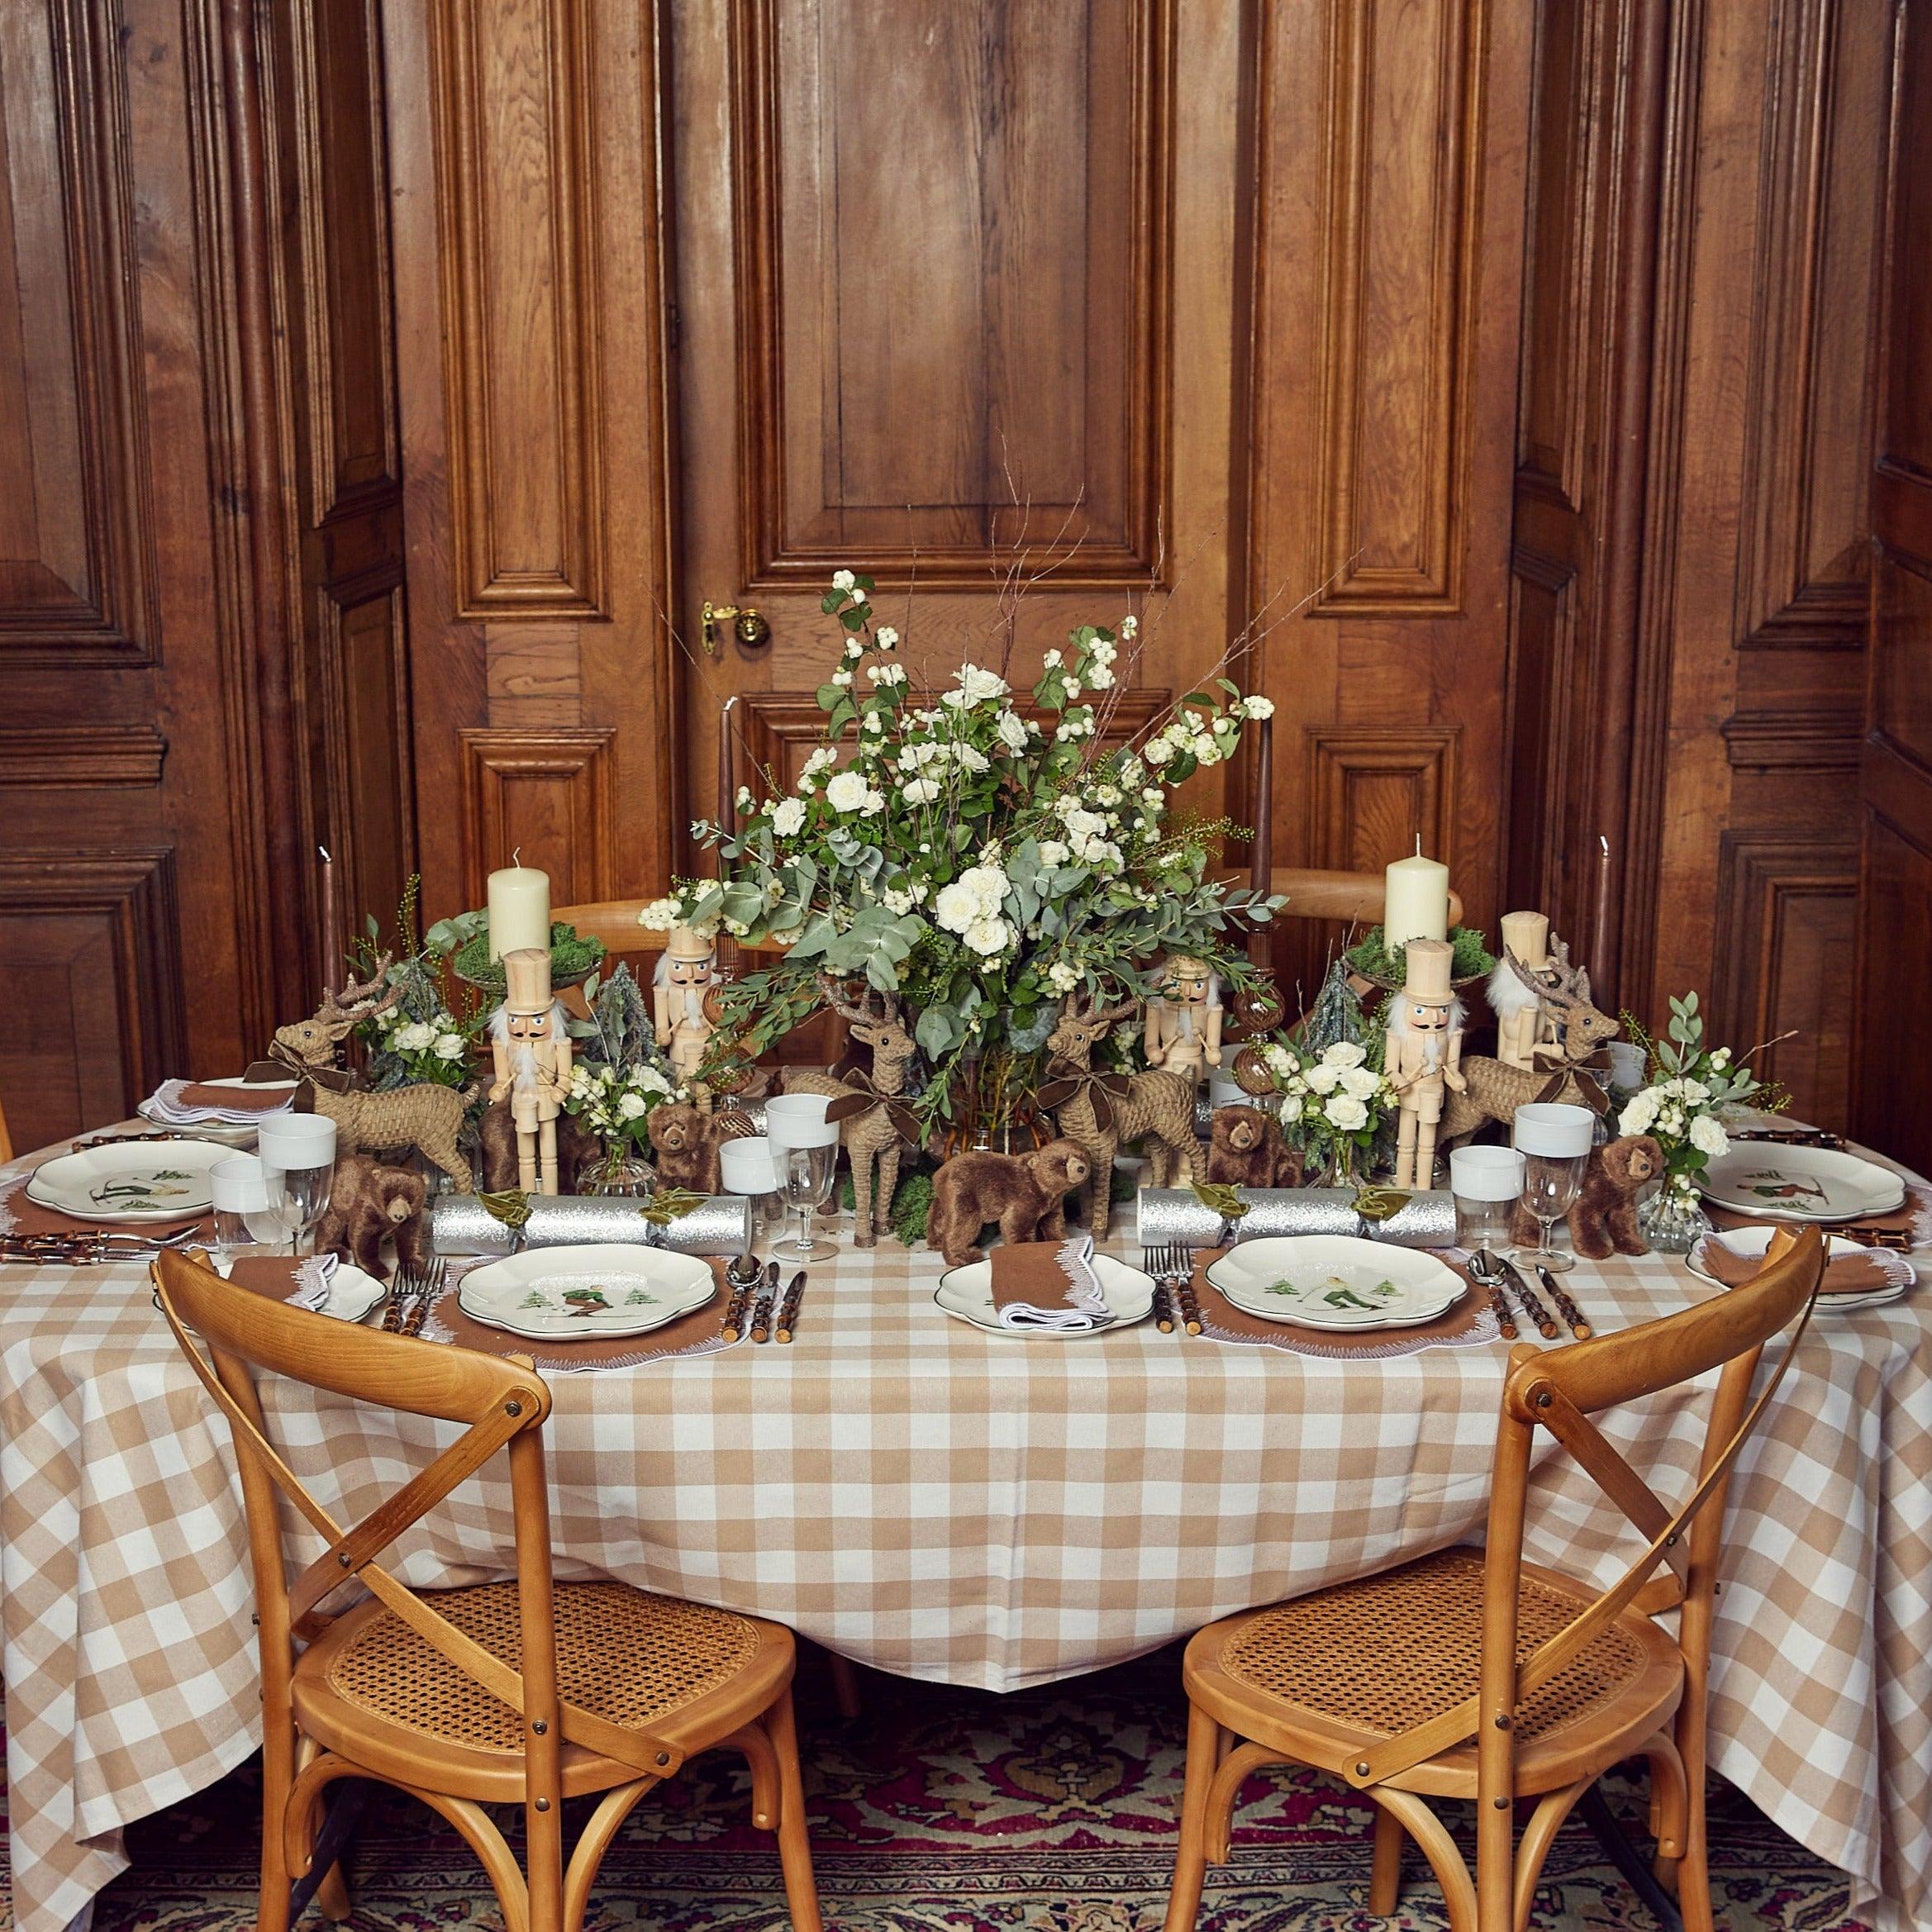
(845, 1685)
(1445, 1860)
(1670, 1798)
(794, 1842)
(1385, 1875)
(1204, 1737)
(1693, 1870)
(277, 1775)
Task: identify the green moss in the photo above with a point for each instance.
(571, 956)
(1373, 958)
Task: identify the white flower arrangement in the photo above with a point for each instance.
(615, 1103)
(1688, 1089)
(435, 1048)
(1333, 1103)
(981, 862)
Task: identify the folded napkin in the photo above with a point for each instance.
(186, 1103)
(1844, 1274)
(1037, 1285)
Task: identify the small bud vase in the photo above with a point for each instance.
(1673, 1220)
(624, 1173)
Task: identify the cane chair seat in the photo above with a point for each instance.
(1325, 1674)
(654, 1664)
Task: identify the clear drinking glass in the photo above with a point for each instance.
(1554, 1141)
(747, 1167)
(244, 1219)
(805, 1179)
(1485, 1183)
(298, 1155)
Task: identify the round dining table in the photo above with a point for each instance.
(933, 1500)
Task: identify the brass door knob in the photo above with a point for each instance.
(747, 626)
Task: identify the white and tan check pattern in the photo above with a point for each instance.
(984, 1509)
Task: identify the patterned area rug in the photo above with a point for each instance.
(940, 1810)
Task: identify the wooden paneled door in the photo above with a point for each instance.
(1195, 308)
(1891, 1099)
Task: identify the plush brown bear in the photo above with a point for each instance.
(1603, 1221)
(1245, 1150)
(685, 1143)
(579, 1151)
(368, 1201)
(1025, 1193)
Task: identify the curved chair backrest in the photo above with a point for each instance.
(1557, 1390)
(503, 1401)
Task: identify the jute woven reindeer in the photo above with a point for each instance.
(424, 1116)
(1099, 1111)
(1496, 1089)
(874, 1125)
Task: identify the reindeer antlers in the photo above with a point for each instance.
(865, 1013)
(1097, 1016)
(358, 999)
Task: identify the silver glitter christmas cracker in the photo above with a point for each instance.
(1179, 1214)
(721, 1224)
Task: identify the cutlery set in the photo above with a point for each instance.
(1510, 1296)
(756, 1306)
(89, 1251)
(411, 1295)
(1175, 1303)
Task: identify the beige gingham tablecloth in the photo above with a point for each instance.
(959, 1506)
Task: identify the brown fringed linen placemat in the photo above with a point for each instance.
(1469, 1322)
(19, 1215)
(699, 1333)
(1913, 1218)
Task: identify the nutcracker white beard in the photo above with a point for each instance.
(1434, 1040)
(523, 1072)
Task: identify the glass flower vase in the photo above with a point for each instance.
(1673, 1220)
(624, 1173)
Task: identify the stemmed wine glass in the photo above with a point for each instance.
(297, 1154)
(1554, 1141)
(805, 1151)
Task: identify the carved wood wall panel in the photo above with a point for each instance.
(952, 287)
(90, 944)
(1402, 204)
(1370, 792)
(80, 757)
(517, 144)
(75, 563)
(548, 795)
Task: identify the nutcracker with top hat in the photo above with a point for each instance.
(1424, 1055)
(530, 1052)
(1522, 1018)
(686, 973)
(1183, 1033)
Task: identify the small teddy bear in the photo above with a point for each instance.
(1025, 1193)
(1245, 1150)
(1603, 1221)
(368, 1201)
(686, 1143)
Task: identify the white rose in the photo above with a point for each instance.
(630, 1107)
(1364, 1082)
(450, 1046)
(1347, 1112)
(1345, 1052)
(957, 907)
(970, 758)
(845, 792)
(788, 817)
(873, 804)
(1052, 852)
(1323, 1079)
(843, 580)
(1637, 1117)
(920, 791)
(651, 1080)
(1708, 1138)
(1012, 733)
(987, 883)
(989, 936)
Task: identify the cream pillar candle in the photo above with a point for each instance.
(520, 909)
(1414, 901)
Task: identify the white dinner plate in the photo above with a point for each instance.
(605, 1290)
(351, 1294)
(1751, 1243)
(1799, 1183)
(231, 1133)
(131, 1181)
(966, 1294)
(1335, 1281)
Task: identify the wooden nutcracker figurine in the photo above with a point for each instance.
(1183, 1025)
(1425, 1052)
(529, 1051)
(1521, 1021)
(685, 974)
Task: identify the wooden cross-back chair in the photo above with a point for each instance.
(521, 1692)
(1473, 1674)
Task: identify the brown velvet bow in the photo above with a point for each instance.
(1067, 1080)
(864, 1097)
